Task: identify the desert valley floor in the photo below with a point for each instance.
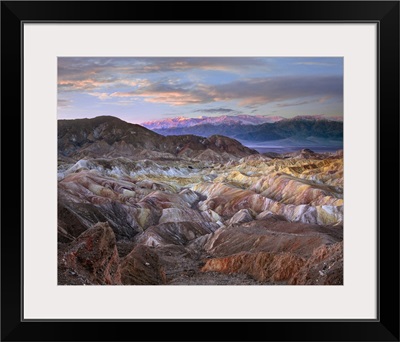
(139, 208)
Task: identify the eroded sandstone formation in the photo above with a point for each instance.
(137, 208)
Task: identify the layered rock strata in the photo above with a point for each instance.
(136, 208)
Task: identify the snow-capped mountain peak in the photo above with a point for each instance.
(181, 121)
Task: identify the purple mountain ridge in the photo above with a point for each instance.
(182, 121)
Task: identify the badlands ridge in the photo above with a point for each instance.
(139, 208)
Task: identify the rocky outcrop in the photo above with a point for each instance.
(324, 267)
(91, 259)
(142, 267)
(138, 208)
(265, 267)
(120, 217)
(280, 255)
(271, 235)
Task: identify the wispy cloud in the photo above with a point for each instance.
(291, 104)
(314, 63)
(175, 95)
(97, 84)
(250, 92)
(76, 74)
(100, 96)
(119, 103)
(215, 110)
(266, 90)
(73, 67)
(64, 103)
(190, 85)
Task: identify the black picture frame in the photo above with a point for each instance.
(384, 13)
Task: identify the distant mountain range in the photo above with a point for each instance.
(181, 121)
(111, 137)
(316, 130)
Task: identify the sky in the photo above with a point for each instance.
(141, 89)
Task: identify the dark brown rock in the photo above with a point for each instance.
(107, 136)
(92, 258)
(142, 267)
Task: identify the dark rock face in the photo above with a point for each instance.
(107, 136)
(92, 258)
(119, 217)
(142, 267)
(137, 208)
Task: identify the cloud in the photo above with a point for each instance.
(76, 67)
(175, 95)
(100, 96)
(281, 105)
(64, 103)
(252, 106)
(315, 63)
(97, 84)
(324, 99)
(123, 94)
(175, 98)
(78, 74)
(266, 90)
(119, 103)
(87, 84)
(137, 82)
(155, 80)
(248, 92)
(215, 110)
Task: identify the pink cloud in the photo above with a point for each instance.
(100, 96)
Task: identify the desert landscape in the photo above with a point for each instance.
(139, 208)
(200, 170)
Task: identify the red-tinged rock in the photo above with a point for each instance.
(92, 258)
(263, 266)
(324, 267)
(271, 235)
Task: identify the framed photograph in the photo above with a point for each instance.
(200, 162)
